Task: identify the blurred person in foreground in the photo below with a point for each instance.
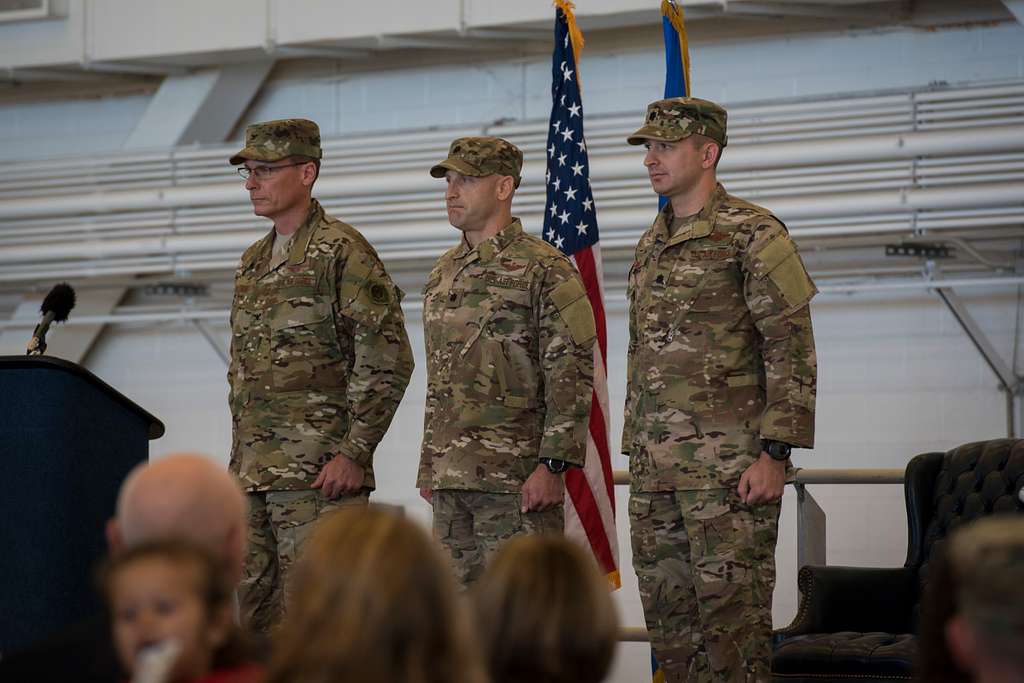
(179, 496)
(544, 614)
(172, 616)
(375, 602)
(972, 623)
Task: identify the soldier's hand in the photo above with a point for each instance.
(543, 490)
(427, 494)
(763, 482)
(339, 476)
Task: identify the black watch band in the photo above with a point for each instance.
(555, 466)
(776, 449)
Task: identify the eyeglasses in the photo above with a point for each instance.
(264, 172)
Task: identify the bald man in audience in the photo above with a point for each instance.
(184, 495)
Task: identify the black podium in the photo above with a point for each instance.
(67, 441)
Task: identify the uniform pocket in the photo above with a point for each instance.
(742, 401)
(641, 528)
(245, 351)
(304, 346)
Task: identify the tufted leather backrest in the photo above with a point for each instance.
(970, 481)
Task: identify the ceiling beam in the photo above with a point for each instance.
(775, 8)
(1016, 8)
(201, 107)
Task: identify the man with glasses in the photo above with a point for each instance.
(319, 361)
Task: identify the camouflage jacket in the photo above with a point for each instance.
(510, 362)
(721, 351)
(319, 356)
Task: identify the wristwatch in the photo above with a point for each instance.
(555, 466)
(776, 449)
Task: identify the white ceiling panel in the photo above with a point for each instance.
(138, 29)
(299, 21)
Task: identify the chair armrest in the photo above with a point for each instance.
(860, 599)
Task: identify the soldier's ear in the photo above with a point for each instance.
(309, 173)
(710, 154)
(506, 187)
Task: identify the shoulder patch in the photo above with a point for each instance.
(379, 294)
(353, 276)
(768, 258)
(574, 307)
(780, 262)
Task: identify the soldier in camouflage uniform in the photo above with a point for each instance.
(319, 361)
(509, 338)
(721, 384)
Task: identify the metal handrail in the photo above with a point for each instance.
(810, 518)
(803, 475)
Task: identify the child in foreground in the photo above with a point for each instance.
(171, 613)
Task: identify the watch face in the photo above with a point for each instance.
(555, 466)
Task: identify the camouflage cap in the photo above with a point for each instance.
(481, 156)
(680, 117)
(276, 140)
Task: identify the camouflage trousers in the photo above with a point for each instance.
(472, 525)
(706, 566)
(279, 523)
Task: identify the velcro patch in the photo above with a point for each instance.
(571, 301)
(506, 282)
(715, 254)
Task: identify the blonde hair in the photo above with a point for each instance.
(544, 614)
(373, 601)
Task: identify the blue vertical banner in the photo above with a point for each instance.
(677, 53)
(677, 56)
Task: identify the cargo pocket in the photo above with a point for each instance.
(642, 536)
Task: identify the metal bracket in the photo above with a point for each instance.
(919, 250)
(810, 529)
(1008, 379)
(212, 341)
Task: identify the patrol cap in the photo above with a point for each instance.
(276, 140)
(481, 156)
(680, 117)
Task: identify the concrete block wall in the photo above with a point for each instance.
(620, 80)
(615, 79)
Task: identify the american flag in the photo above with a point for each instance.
(570, 224)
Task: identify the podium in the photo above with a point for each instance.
(67, 441)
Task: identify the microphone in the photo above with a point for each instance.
(56, 307)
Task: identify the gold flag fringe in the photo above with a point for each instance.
(575, 35)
